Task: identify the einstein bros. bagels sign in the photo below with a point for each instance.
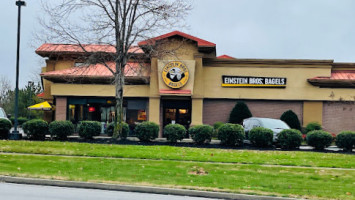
(175, 74)
(252, 81)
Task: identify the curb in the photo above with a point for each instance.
(141, 189)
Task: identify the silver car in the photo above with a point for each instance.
(275, 125)
(3, 114)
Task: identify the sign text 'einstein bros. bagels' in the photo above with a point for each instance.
(175, 74)
(249, 81)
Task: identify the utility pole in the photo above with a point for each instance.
(15, 135)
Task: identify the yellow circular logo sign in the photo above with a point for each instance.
(175, 74)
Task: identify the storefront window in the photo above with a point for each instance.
(103, 110)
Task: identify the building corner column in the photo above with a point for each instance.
(312, 112)
(197, 111)
(197, 97)
(154, 96)
(61, 108)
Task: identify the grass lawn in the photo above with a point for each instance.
(290, 158)
(277, 173)
(241, 178)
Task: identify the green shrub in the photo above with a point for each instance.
(5, 126)
(303, 130)
(231, 134)
(20, 120)
(174, 132)
(147, 131)
(319, 139)
(201, 133)
(290, 139)
(36, 129)
(216, 126)
(89, 129)
(261, 137)
(61, 129)
(111, 127)
(312, 126)
(346, 140)
(291, 119)
(239, 113)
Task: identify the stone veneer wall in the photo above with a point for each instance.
(338, 116)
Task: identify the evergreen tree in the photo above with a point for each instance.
(291, 119)
(27, 97)
(239, 113)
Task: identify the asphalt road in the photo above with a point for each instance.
(11, 191)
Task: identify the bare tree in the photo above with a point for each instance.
(119, 24)
(5, 86)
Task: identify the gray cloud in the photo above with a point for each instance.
(305, 29)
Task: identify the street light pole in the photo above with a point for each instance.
(15, 133)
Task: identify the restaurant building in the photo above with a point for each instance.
(193, 86)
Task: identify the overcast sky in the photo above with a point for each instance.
(295, 29)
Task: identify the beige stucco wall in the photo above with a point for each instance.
(59, 89)
(297, 86)
(177, 49)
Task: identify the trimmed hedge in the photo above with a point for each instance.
(201, 134)
(111, 127)
(216, 126)
(261, 137)
(319, 139)
(291, 119)
(239, 113)
(20, 120)
(312, 126)
(231, 134)
(61, 129)
(36, 129)
(89, 129)
(346, 140)
(174, 132)
(147, 131)
(290, 139)
(5, 126)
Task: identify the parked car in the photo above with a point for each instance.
(275, 125)
(3, 114)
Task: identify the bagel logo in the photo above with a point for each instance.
(175, 74)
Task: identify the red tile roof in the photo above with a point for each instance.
(200, 42)
(48, 49)
(225, 57)
(338, 78)
(40, 95)
(338, 75)
(100, 71)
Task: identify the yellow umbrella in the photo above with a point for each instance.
(41, 106)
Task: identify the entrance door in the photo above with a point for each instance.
(177, 112)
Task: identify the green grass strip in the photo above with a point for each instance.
(162, 152)
(240, 178)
